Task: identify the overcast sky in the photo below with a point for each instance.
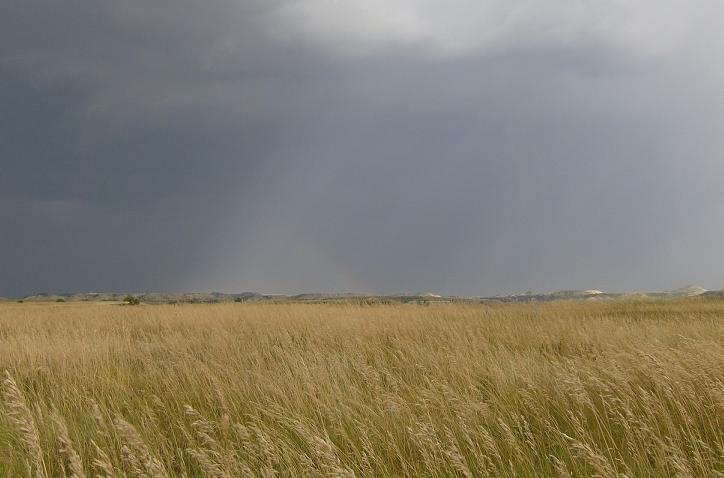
(456, 146)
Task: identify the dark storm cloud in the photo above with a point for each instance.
(290, 146)
(118, 144)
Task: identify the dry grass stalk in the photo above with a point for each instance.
(72, 458)
(21, 417)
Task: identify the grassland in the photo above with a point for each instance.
(561, 389)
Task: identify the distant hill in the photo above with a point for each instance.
(688, 291)
(713, 294)
(583, 294)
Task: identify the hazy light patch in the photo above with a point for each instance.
(273, 257)
(457, 27)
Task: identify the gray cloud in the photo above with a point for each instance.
(464, 147)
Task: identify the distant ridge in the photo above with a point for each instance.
(426, 297)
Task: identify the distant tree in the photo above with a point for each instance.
(131, 300)
(60, 300)
(20, 301)
(238, 299)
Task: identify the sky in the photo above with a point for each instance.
(468, 147)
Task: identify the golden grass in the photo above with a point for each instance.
(560, 389)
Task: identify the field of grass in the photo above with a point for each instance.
(560, 389)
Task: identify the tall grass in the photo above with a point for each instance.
(563, 389)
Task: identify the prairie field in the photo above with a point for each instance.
(561, 389)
